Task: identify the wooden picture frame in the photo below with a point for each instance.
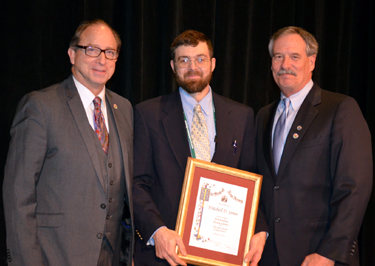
(217, 213)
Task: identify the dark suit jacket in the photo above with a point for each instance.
(54, 188)
(161, 150)
(317, 201)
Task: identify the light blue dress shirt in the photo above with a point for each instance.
(296, 101)
(188, 104)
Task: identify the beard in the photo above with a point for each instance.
(193, 86)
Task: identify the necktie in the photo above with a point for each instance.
(278, 135)
(99, 124)
(199, 135)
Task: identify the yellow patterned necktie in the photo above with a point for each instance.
(199, 135)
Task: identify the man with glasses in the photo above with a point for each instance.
(67, 186)
(191, 121)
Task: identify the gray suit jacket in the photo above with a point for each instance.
(53, 187)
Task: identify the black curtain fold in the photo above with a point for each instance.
(36, 34)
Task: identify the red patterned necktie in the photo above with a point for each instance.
(99, 124)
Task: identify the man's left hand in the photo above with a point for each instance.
(257, 243)
(317, 260)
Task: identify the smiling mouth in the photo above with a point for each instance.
(99, 70)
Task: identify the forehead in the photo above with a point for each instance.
(192, 51)
(289, 43)
(98, 35)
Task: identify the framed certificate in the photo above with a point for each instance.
(217, 214)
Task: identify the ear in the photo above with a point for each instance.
(72, 54)
(312, 60)
(213, 64)
(172, 66)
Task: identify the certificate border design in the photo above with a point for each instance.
(230, 175)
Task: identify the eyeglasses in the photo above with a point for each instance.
(184, 62)
(95, 52)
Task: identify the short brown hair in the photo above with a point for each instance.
(312, 45)
(85, 24)
(191, 38)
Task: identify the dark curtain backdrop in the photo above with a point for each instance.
(35, 36)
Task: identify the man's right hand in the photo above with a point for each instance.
(165, 246)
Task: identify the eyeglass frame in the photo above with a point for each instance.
(101, 51)
(193, 60)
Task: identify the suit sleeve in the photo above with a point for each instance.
(146, 214)
(24, 163)
(248, 159)
(351, 178)
(261, 223)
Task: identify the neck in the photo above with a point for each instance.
(91, 87)
(96, 91)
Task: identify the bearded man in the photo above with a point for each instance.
(165, 136)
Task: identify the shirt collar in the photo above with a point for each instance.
(297, 99)
(190, 102)
(87, 96)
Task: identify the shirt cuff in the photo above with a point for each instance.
(151, 241)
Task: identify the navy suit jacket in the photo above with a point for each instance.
(161, 149)
(316, 202)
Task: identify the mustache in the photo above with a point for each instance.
(286, 71)
(193, 73)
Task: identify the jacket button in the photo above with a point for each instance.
(110, 199)
(277, 220)
(276, 187)
(110, 165)
(99, 235)
(102, 206)
(352, 251)
(111, 183)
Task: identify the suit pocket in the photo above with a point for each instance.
(52, 220)
(319, 140)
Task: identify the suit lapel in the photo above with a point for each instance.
(123, 130)
(304, 118)
(79, 114)
(267, 137)
(224, 130)
(175, 129)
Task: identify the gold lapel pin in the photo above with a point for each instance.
(115, 106)
(295, 136)
(299, 127)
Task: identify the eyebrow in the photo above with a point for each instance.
(97, 46)
(198, 55)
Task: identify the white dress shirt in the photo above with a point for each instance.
(87, 98)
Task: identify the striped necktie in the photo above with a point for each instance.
(279, 135)
(99, 125)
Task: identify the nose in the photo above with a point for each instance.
(101, 58)
(192, 64)
(286, 63)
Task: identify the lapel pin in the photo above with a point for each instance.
(115, 106)
(295, 136)
(299, 127)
